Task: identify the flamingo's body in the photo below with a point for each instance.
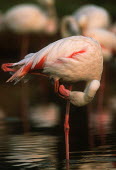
(107, 40)
(71, 59)
(87, 16)
(26, 18)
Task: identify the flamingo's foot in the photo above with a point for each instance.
(6, 66)
(64, 92)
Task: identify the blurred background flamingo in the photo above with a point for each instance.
(30, 18)
(88, 16)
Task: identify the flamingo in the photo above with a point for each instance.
(87, 16)
(26, 18)
(69, 59)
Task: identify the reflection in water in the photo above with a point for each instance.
(31, 151)
(40, 151)
(45, 115)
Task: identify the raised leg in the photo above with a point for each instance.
(60, 89)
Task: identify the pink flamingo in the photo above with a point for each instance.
(30, 18)
(71, 59)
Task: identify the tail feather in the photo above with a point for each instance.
(21, 68)
(18, 75)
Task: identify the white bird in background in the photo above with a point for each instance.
(27, 18)
(71, 59)
(87, 16)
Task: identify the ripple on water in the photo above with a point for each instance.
(40, 151)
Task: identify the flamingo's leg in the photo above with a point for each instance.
(66, 129)
(56, 88)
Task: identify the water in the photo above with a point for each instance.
(41, 150)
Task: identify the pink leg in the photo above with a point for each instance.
(66, 130)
